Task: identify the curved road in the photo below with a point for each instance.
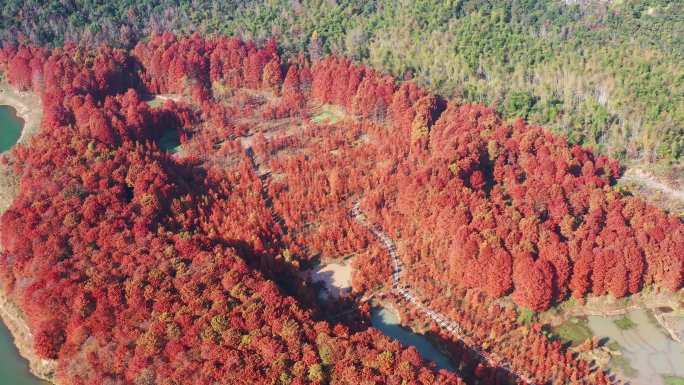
(404, 291)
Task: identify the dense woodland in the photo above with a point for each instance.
(136, 266)
(604, 73)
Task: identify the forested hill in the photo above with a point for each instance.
(605, 73)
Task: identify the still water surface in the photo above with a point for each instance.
(10, 127)
(387, 322)
(13, 368)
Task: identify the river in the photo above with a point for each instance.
(10, 127)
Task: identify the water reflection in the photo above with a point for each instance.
(388, 322)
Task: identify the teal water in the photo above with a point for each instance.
(10, 127)
(14, 369)
(387, 321)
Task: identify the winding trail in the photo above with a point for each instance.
(639, 176)
(404, 292)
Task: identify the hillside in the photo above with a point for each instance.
(136, 265)
(606, 74)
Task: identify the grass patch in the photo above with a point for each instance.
(328, 114)
(622, 363)
(624, 323)
(526, 316)
(673, 380)
(613, 345)
(574, 330)
(155, 103)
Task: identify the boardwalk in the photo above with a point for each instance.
(404, 292)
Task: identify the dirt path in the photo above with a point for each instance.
(639, 176)
(652, 189)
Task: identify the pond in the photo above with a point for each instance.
(336, 279)
(10, 127)
(387, 321)
(649, 355)
(14, 369)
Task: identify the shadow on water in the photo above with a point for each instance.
(452, 355)
(386, 321)
(169, 141)
(10, 127)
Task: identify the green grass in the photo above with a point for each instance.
(624, 323)
(574, 330)
(328, 114)
(155, 103)
(526, 316)
(622, 363)
(673, 380)
(613, 345)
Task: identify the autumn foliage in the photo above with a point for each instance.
(136, 266)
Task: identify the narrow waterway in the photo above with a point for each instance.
(10, 127)
(387, 321)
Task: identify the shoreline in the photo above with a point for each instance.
(11, 315)
(28, 106)
(22, 337)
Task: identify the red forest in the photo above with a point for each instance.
(133, 265)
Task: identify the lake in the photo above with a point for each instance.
(387, 322)
(10, 127)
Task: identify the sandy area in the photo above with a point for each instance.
(28, 106)
(335, 276)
